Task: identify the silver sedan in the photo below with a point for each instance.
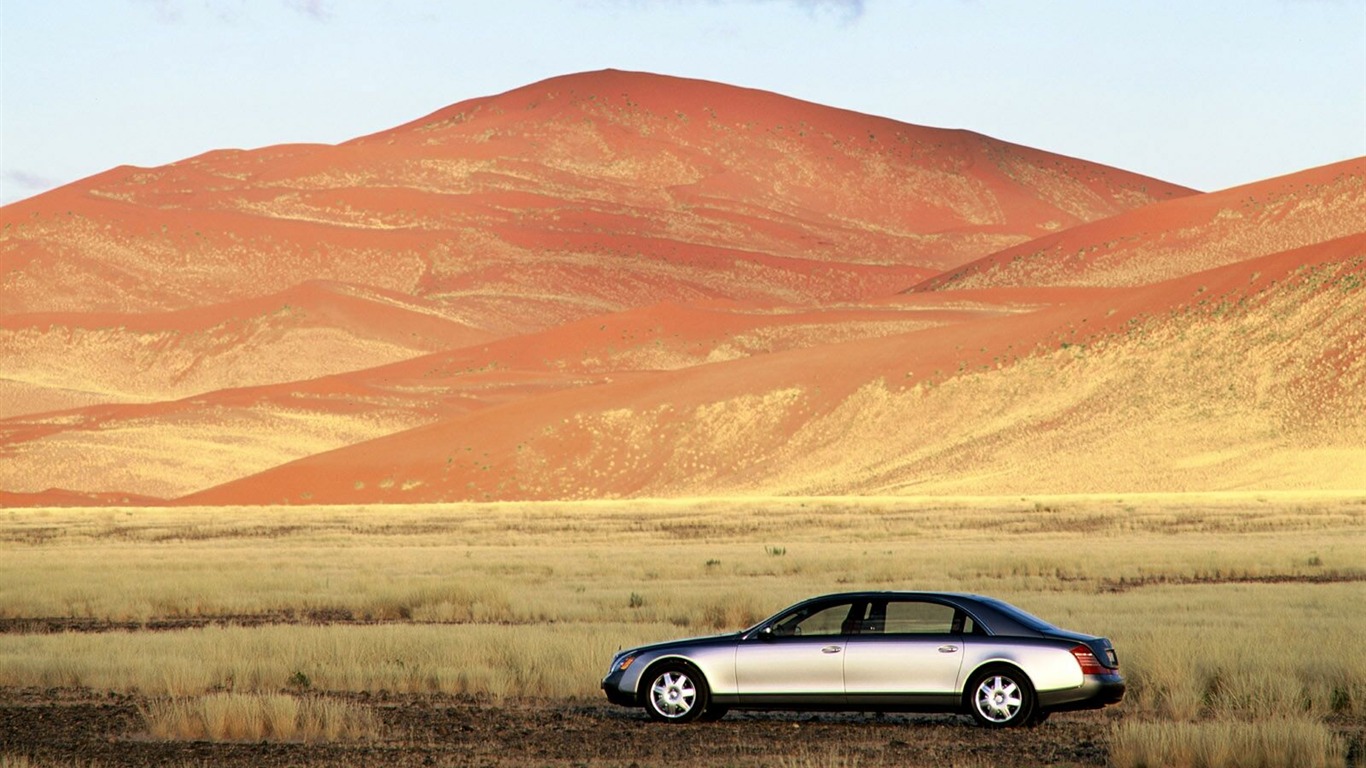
(877, 651)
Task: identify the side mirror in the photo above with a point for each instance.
(766, 633)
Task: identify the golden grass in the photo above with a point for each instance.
(551, 661)
(1302, 742)
(703, 564)
(1227, 610)
(259, 717)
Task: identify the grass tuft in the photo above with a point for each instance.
(259, 717)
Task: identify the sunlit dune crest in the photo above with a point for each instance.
(615, 285)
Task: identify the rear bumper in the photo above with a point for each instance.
(1097, 691)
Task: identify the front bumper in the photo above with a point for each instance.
(611, 685)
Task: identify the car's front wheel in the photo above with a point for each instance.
(713, 713)
(676, 692)
(1001, 697)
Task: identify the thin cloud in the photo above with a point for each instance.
(29, 181)
(848, 10)
(17, 185)
(173, 11)
(167, 11)
(845, 10)
(314, 9)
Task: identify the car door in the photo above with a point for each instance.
(798, 659)
(906, 653)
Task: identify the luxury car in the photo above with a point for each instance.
(876, 652)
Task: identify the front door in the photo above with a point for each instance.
(798, 660)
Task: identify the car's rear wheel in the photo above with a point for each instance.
(1001, 697)
(675, 692)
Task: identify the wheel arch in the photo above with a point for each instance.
(965, 696)
(648, 672)
(683, 696)
(1047, 664)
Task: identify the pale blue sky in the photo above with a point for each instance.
(1199, 92)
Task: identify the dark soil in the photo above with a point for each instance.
(88, 728)
(44, 625)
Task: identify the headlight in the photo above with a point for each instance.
(620, 663)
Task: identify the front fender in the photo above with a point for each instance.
(716, 663)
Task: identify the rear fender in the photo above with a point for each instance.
(1048, 667)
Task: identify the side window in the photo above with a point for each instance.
(918, 618)
(814, 621)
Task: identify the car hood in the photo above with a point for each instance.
(690, 642)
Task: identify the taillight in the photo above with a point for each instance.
(1090, 665)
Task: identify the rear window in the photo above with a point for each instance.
(1027, 619)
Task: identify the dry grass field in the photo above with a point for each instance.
(1237, 619)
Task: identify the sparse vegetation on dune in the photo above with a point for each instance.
(1235, 616)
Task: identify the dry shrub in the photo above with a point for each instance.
(1262, 744)
(259, 717)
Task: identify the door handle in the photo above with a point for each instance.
(948, 649)
(831, 649)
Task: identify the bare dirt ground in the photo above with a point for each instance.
(83, 727)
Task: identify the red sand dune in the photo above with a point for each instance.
(616, 284)
(1179, 237)
(564, 199)
(848, 418)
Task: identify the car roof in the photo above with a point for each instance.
(898, 593)
(995, 614)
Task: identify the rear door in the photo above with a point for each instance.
(906, 653)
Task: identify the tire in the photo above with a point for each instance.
(675, 692)
(713, 713)
(1039, 717)
(1001, 697)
